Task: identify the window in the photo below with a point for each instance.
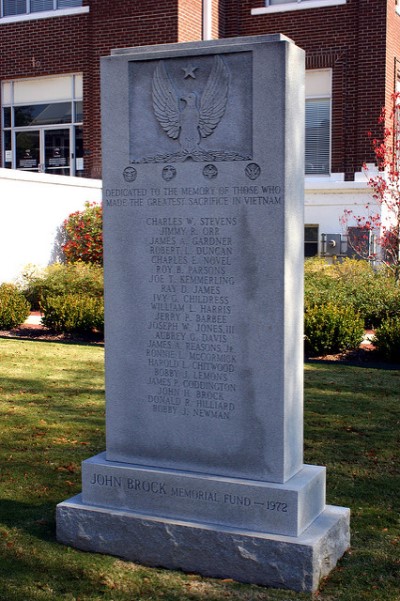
(310, 240)
(15, 8)
(273, 2)
(42, 124)
(318, 136)
(318, 122)
(286, 5)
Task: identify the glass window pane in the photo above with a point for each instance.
(56, 143)
(27, 150)
(79, 163)
(78, 112)
(310, 249)
(68, 3)
(310, 240)
(318, 136)
(38, 5)
(7, 149)
(7, 117)
(14, 7)
(272, 2)
(42, 114)
(311, 233)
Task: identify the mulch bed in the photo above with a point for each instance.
(29, 331)
(365, 356)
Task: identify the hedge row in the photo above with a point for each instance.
(373, 293)
(61, 279)
(341, 300)
(73, 313)
(14, 308)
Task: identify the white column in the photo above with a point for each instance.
(207, 19)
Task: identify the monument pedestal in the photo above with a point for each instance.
(264, 507)
(280, 535)
(278, 561)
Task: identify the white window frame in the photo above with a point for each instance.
(74, 95)
(308, 242)
(323, 95)
(29, 16)
(295, 5)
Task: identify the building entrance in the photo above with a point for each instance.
(44, 150)
(42, 125)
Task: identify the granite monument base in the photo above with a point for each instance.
(278, 561)
(268, 507)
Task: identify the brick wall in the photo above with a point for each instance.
(75, 44)
(351, 40)
(359, 40)
(190, 23)
(119, 24)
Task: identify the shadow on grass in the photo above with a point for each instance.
(37, 520)
(53, 388)
(374, 361)
(35, 567)
(30, 548)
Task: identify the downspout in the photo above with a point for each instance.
(207, 20)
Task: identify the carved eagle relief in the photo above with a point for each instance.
(192, 117)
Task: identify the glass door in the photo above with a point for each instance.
(27, 145)
(47, 150)
(56, 151)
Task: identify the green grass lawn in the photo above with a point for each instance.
(52, 417)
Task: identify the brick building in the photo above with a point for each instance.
(49, 72)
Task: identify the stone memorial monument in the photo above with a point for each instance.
(203, 147)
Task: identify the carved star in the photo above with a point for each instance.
(189, 71)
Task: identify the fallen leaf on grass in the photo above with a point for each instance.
(72, 468)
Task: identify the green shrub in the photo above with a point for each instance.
(59, 280)
(371, 292)
(331, 329)
(387, 339)
(14, 308)
(73, 313)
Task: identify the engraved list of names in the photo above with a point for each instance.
(191, 351)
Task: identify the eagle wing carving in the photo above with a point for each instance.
(214, 98)
(165, 102)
